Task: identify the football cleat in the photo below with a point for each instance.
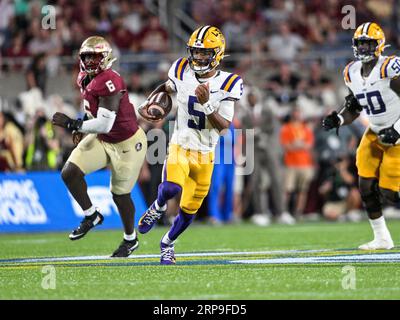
(378, 244)
(125, 248)
(87, 223)
(167, 254)
(149, 218)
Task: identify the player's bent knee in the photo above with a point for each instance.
(169, 189)
(118, 197)
(370, 195)
(70, 171)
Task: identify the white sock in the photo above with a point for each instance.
(89, 211)
(163, 208)
(166, 239)
(130, 237)
(380, 229)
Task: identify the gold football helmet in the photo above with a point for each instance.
(206, 49)
(95, 55)
(368, 41)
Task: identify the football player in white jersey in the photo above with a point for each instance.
(374, 84)
(205, 98)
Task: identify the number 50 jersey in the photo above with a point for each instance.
(380, 102)
(192, 129)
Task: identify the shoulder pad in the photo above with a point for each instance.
(346, 72)
(390, 68)
(233, 85)
(107, 84)
(177, 69)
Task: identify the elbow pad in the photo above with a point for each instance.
(101, 124)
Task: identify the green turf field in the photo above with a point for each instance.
(306, 261)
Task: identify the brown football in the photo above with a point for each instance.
(160, 105)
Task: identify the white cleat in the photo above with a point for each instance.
(378, 244)
(286, 218)
(260, 219)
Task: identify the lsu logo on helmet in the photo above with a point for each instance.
(206, 49)
(368, 41)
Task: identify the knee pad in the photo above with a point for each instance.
(390, 197)
(169, 189)
(371, 196)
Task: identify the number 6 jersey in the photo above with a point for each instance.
(108, 83)
(380, 102)
(192, 129)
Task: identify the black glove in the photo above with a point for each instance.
(331, 121)
(389, 135)
(62, 120)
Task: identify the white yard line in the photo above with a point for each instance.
(141, 256)
(364, 257)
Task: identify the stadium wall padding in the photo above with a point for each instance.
(39, 201)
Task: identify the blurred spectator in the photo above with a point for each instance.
(47, 43)
(220, 196)
(339, 188)
(43, 147)
(319, 86)
(276, 13)
(36, 76)
(234, 31)
(17, 50)
(122, 37)
(11, 144)
(267, 175)
(285, 86)
(285, 46)
(153, 39)
(297, 140)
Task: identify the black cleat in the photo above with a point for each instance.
(86, 224)
(125, 248)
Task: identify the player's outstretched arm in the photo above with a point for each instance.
(348, 113)
(106, 114)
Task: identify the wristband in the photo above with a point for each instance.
(341, 119)
(208, 108)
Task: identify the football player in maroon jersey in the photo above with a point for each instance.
(112, 138)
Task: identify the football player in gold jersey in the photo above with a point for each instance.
(374, 85)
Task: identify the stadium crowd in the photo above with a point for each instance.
(279, 48)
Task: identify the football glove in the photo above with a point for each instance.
(389, 135)
(62, 120)
(351, 104)
(331, 121)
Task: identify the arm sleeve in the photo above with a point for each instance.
(103, 123)
(227, 109)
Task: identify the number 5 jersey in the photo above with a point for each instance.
(192, 129)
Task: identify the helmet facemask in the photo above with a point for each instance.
(202, 60)
(91, 62)
(365, 49)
